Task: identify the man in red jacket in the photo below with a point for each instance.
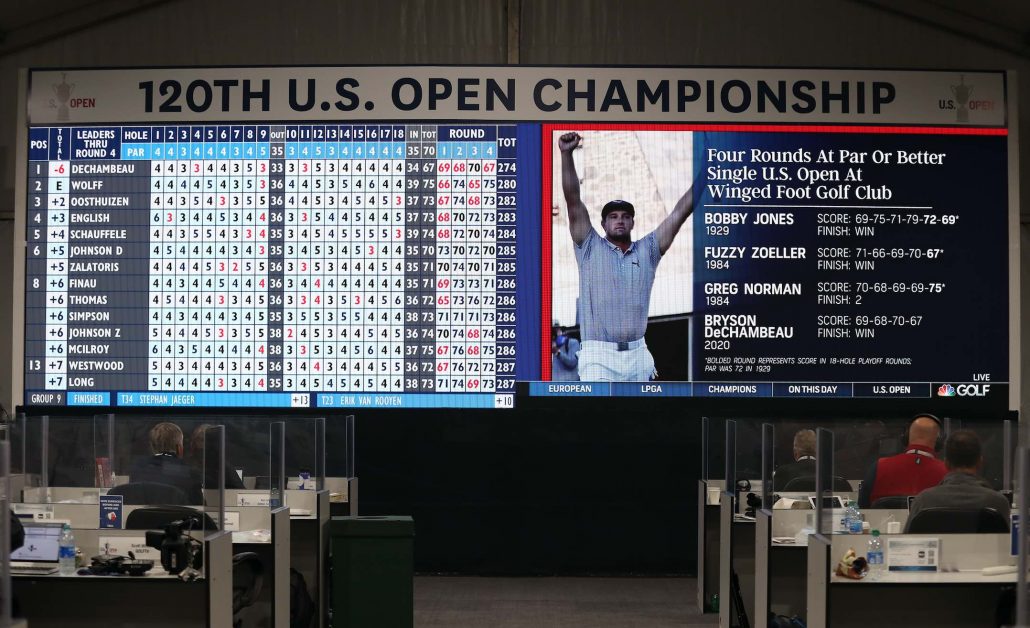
(910, 472)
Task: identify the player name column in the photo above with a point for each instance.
(108, 257)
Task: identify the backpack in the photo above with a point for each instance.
(302, 607)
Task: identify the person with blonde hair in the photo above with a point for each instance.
(803, 463)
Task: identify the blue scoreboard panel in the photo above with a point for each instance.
(402, 237)
(279, 265)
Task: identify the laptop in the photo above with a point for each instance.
(38, 555)
(831, 502)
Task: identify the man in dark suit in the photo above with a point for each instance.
(962, 487)
(804, 461)
(166, 465)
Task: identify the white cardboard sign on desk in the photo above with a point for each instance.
(913, 553)
(231, 522)
(253, 499)
(122, 545)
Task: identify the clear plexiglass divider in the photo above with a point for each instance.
(825, 512)
(104, 452)
(768, 463)
(741, 460)
(215, 469)
(305, 453)
(277, 463)
(349, 461)
(715, 446)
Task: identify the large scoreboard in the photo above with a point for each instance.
(407, 236)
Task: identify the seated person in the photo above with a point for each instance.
(962, 487)
(910, 472)
(196, 462)
(804, 461)
(166, 466)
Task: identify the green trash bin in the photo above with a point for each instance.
(372, 565)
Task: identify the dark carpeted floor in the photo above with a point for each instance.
(462, 602)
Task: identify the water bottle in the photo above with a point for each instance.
(874, 556)
(66, 551)
(854, 518)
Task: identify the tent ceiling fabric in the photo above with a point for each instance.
(1004, 22)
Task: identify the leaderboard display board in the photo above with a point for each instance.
(445, 236)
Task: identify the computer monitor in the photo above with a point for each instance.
(41, 543)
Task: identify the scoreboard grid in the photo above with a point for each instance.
(281, 265)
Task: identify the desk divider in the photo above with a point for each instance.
(281, 573)
(5, 533)
(322, 560)
(218, 572)
(763, 544)
(818, 575)
(1023, 467)
(1010, 440)
(702, 501)
(726, 509)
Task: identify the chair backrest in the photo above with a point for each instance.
(892, 501)
(149, 493)
(940, 520)
(247, 578)
(157, 517)
(806, 483)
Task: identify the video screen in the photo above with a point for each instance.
(487, 239)
(811, 263)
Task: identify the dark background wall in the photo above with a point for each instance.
(580, 486)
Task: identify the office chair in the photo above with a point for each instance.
(940, 520)
(157, 517)
(806, 484)
(892, 501)
(147, 493)
(247, 579)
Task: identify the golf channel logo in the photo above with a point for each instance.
(963, 390)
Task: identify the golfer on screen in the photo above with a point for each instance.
(616, 274)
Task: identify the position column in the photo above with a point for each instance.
(37, 283)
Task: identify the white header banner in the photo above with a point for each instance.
(516, 93)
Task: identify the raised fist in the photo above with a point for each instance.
(569, 141)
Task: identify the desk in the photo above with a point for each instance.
(158, 601)
(963, 598)
(781, 569)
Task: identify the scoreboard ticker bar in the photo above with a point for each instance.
(843, 390)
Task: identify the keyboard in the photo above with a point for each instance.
(32, 570)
